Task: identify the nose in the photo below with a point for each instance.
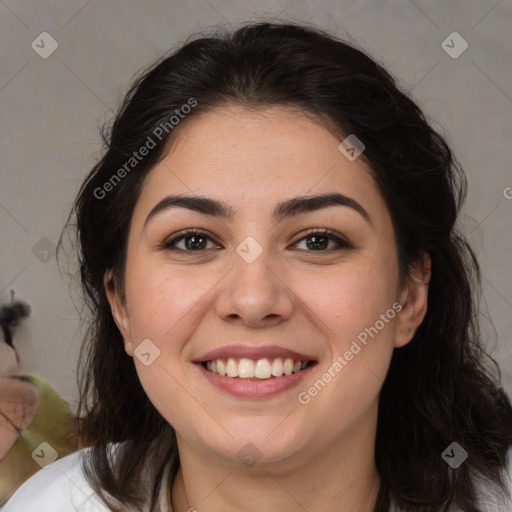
(256, 293)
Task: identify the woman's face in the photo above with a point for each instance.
(256, 287)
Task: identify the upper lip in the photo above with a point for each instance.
(251, 352)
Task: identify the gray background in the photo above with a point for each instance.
(50, 110)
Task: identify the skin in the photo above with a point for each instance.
(19, 402)
(314, 301)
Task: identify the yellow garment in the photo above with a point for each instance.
(53, 424)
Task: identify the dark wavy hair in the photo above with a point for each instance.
(440, 387)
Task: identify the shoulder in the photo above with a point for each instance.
(59, 487)
(62, 487)
(488, 497)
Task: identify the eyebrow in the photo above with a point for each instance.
(288, 208)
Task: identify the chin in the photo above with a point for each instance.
(259, 443)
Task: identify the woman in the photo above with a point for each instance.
(282, 305)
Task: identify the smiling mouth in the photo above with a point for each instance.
(256, 369)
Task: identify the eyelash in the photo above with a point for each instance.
(327, 233)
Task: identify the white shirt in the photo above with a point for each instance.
(62, 487)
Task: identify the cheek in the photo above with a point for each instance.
(348, 299)
(162, 300)
(163, 307)
(358, 320)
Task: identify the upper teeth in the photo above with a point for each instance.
(261, 368)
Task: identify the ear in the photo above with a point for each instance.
(119, 311)
(413, 297)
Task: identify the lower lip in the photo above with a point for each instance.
(245, 388)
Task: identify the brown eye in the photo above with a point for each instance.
(318, 241)
(193, 241)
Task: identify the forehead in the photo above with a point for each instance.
(256, 158)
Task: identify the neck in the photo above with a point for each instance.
(340, 477)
